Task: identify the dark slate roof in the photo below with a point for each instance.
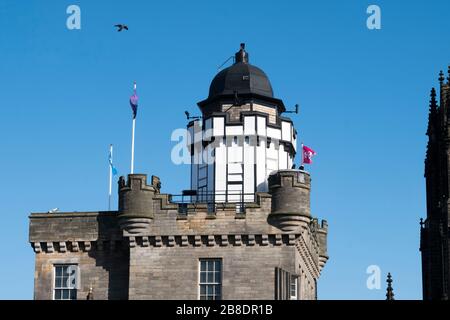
(243, 78)
(241, 81)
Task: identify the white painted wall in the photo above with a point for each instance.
(236, 155)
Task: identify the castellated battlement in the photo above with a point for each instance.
(154, 242)
(144, 212)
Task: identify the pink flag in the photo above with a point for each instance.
(308, 153)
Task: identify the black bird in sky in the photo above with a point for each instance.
(120, 27)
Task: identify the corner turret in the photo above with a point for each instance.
(290, 190)
(135, 203)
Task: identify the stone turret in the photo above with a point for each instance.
(135, 203)
(322, 235)
(290, 190)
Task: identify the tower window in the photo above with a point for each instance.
(294, 288)
(65, 286)
(210, 279)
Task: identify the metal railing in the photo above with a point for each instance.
(190, 199)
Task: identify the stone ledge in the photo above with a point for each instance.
(76, 246)
(221, 240)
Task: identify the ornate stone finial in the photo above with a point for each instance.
(389, 290)
(433, 95)
(441, 77)
(432, 112)
(90, 295)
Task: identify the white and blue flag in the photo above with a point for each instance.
(113, 169)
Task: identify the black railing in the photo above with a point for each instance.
(190, 199)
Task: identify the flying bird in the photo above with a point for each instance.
(120, 27)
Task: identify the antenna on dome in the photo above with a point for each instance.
(220, 67)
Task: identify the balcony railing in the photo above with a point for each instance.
(189, 201)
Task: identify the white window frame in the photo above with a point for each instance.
(293, 289)
(64, 287)
(207, 283)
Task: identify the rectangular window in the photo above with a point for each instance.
(286, 285)
(210, 279)
(65, 286)
(294, 287)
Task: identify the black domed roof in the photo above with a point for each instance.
(242, 78)
(240, 81)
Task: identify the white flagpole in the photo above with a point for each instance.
(132, 137)
(110, 176)
(301, 164)
(132, 145)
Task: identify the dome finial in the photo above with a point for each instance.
(241, 55)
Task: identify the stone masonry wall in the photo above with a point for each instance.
(91, 240)
(105, 271)
(173, 272)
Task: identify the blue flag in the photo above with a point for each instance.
(113, 169)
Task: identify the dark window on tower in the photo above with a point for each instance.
(286, 285)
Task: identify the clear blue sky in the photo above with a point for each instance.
(363, 95)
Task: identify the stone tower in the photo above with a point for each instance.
(243, 231)
(434, 240)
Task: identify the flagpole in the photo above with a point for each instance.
(132, 135)
(301, 163)
(110, 176)
(132, 145)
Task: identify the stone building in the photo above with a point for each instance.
(243, 231)
(434, 235)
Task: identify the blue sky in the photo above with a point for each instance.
(363, 95)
